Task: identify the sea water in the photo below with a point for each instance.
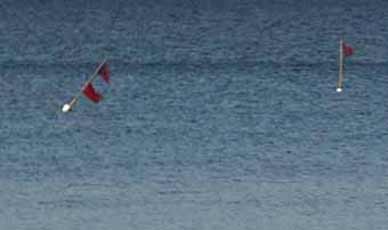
(219, 115)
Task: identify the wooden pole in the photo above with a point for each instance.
(341, 67)
(68, 106)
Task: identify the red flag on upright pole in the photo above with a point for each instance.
(104, 72)
(91, 93)
(347, 49)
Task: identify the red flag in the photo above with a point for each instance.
(348, 50)
(91, 93)
(104, 72)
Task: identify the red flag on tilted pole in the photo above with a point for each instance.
(91, 93)
(104, 72)
(88, 89)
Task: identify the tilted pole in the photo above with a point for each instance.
(68, 106)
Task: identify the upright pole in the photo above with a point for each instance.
(68, 106)
(341, 67)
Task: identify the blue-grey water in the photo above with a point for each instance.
(220, 115)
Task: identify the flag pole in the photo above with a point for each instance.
(341, 67)
(68, 106)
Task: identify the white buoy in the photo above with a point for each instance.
(66, 108)
(339, 90)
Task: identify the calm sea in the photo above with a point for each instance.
(220, 115)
